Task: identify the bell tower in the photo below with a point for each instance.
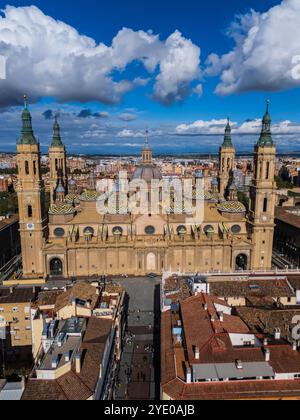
(31, 194)
(227, 161)
(263, 197)
(58, 162)
(147, 152)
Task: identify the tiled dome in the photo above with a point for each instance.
(72, 198)
(232, 207)
(63, 209)
(89, 196)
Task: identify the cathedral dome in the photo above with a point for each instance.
(64, 209)
(147, 173)
(232, 207)
(89, 196)
(72, 198)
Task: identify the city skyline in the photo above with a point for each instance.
(180, 79)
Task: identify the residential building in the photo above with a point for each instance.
(207, 353)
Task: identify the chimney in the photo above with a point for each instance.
(54, 363)
(221, 316)
(189, 376)
(212, 318)
(11, 290)
(239, 365)
(266, 342)
(67, 357)
(267, 355)
(206, 307)
(277, 334)
(78, 363)
(295, 346)
(197, 353)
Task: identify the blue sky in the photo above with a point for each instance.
(199, 64)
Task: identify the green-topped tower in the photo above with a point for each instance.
(227, 161)
(263, 196)
(31, 198)
(57, 160)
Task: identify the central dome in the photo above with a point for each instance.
(147, 173)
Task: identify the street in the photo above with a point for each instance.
(139, 373)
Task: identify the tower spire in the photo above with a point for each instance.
(27, 134)
(227, 138)
(266, 135)
(147, 151)
(56, 133)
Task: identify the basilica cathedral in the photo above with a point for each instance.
(75, 241)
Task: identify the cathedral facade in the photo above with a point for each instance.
(75, 240)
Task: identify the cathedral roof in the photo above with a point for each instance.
(61, 209)
(147, 173)
(89, 196)
(72, 198)
(232, 207)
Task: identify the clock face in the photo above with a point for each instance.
(30, 226)
(264, 219)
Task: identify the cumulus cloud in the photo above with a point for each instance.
(46, 57)
(251, 127)
(127, 117)
(139, 134)
(266, 52)
(179, 65)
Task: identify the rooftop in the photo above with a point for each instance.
(18, 295)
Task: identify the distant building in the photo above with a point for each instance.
(209, 354)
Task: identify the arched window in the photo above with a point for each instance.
(265, 209)
(34, 167)
(29, 212)
(241, 262)
(26, 167)
(56, 267)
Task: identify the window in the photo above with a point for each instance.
(268, 171)
(34, 167)
(236, 229)
(150, 230)
(29, 212)
(89, 231)
(209, 229)
(181, 230)
(117, 231)
(26, 167)
(265, 205)
(1, 310)
(15, 310)
(59, 232)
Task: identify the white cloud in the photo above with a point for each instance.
(263, 58)
(46, 57)
(179, 65)
(202, 127)
(217, 127)
(139, 134)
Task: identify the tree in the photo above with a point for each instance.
(8, 203)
